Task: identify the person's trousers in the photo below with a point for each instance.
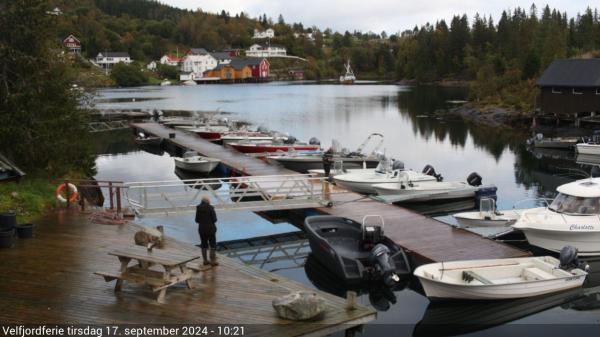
(208, 240)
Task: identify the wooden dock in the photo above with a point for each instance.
(49, 280)
(427, 239)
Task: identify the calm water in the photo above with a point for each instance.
(412, 134)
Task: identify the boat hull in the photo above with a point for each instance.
(587, 244)
(304, 164)
(593, 149)
(205, 166)
(152, 141)
(268, 148)
(459, 191)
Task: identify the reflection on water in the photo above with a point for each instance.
(406, 116)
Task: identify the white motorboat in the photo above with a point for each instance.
(573, 219)
(189, 82)
(588, 148)
(499, 278)
(143, 139)
(363, 181)
(193, 162)
(165, 83)
(348, 77)
(565, 143)
(405, 189)
(488, 216)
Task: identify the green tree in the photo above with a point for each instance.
(167, 71)
(128, 75)
(43, 127)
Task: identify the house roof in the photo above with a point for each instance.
(198, 51)
(571, 73)
(221, 55)
(173, 58)
(114, 54)
(240, 63)
(67, 39)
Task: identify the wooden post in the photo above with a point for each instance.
(110, 194)
(118, 199)
(68, 192)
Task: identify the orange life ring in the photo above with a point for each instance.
(73, 194)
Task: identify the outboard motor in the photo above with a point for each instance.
(569, 260)
(474, 179)
(380, 258)
(397, 165)
(372, 235)
(430, 171)
(262, 128)
(595, 172)
(314, 141)
(290, 140)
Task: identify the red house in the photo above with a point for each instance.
(260, 68)
(72, 44)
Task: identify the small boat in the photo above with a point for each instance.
(573, 218)
(165, 83)
(588, 148)
(498, 278)
(404, 189)
(273, 146)
(245, 136)
(348, 77)
(565, 143)
(189, 82)
(356, 252)
(212, 133)
(143, 139)
(362, 181)
(193, 162)
(488, 216)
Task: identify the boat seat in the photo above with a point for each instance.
(469, 275)
(536, 274)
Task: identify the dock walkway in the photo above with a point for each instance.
(49, 279)
(427, 239)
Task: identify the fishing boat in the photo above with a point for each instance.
(563, 143)
(289, 144)
(193, 162)
(404, 189)
(212, 132)
(348, 77)
(488, 216)
(143, 139)
(573, 218)
(356, 252)
(498, 278)
(363, 181)
(590, 145)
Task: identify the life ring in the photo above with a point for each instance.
(73, 195)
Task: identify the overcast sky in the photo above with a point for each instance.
(372, 15)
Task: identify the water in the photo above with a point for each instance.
(414, 135)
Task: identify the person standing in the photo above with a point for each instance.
(206, 218)
(327, 161)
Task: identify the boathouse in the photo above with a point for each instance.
(250, 69)
(570, 88)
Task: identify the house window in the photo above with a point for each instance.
(577, 92)
(556, 91)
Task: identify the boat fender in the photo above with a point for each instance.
(474, 179)
(569, 259)
(314, 141)
(73, 194)
(380, 258)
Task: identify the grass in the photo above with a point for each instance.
(29, 199)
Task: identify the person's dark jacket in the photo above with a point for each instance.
(206, 218)
(328, 157)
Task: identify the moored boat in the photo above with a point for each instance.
(148, 140)
(348, 77)
(488, 216)
(195, 163)
(588, 148)
(268, 147)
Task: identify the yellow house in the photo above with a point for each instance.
(236, 70)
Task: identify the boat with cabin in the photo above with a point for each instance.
(348, 77)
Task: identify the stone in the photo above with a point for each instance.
(299, 306)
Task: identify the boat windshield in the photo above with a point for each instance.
(564, 203)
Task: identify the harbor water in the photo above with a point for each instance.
(415, 134)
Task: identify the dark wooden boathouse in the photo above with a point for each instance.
(570, 89)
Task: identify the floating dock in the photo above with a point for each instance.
(49, 279)
(426, 239)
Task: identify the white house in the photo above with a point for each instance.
(151, 66)
(267, 34)
(196, 62)
(273, 50)
(109, 59)
(170, 60)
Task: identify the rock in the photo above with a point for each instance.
(299, 306)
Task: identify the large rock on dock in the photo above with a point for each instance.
(300, 305)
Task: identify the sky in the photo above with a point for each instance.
(372, 15)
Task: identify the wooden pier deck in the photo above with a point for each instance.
(427, 239)
(49, 280)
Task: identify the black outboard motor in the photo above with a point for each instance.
(474, 179)
(380, 258)
(314, 141)
(372, 236)
(595, 171)
(569, 260)
(430, 171)
(290, 140)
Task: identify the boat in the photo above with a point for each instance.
(348, 77)
(273, 146)
(245, 136)
(564, 143)
(143, 139)
(189, 82)
(193, 162)
(304, 162)
(165, 83)
(362, 181)
(496, 279)
(588, 148)
(573, 218)
(356, 252)
(212, 133)
(488, 216)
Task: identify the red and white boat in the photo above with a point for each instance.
(268, 147)
(212, 133)
(246, 137)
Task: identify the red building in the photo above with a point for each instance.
(260, 68)
(72, 44)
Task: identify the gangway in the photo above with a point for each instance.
(108, 126)
(247, 193)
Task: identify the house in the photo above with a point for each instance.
(109, 59)
(196, 62)
(222, 57)
(151, 66)
(272, 50)
(570, 87)
(170, 60)
(233, 52)
(72, 44)
(267, 34)
(241, 70)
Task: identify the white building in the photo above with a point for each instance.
(170, 60)
(273, 50)
(267, 34)
(196, 62)
(151, 66)
(109, 59)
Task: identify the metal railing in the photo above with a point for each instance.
(249, 193)
(108, 126)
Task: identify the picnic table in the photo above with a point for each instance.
(173, 268)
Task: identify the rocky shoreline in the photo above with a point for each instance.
(490, 116)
